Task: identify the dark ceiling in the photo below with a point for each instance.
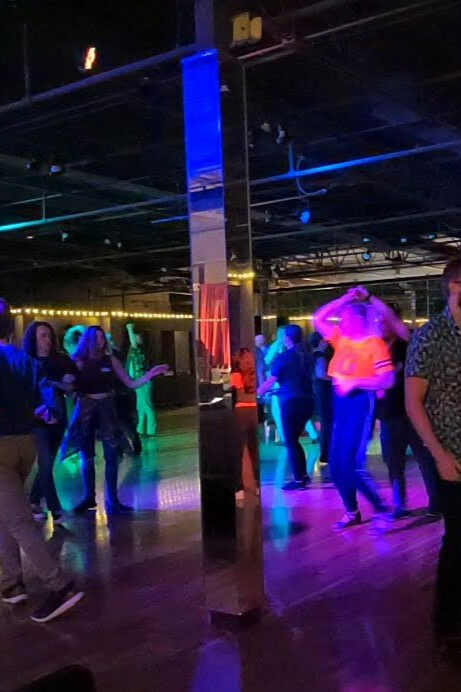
(332, 81)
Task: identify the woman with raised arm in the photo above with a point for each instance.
(360, 367)
(95, 412)
(137, 365)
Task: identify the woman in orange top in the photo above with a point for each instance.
(244, 384)
(361, 367)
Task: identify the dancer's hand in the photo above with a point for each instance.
(362, 293)
(44, 414)
(344, 387)
(448, 467)
(158, 370)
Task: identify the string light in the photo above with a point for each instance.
(269, 317)
(69, 312)
(241, 275)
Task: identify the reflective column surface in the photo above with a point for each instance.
(224, 334)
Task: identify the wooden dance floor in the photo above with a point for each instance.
(345, 612)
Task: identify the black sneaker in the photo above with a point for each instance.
(349, 519)
(85, 505)
(118, 508)
(297, 485)
(57, 603)
(38, 513)
(400, 513)
(14, 594)
(433, 515)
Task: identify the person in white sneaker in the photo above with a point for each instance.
(21, 400)
(360, 367)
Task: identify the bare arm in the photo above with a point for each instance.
(324, 314)
(415, 394)
(132, 335)
(135, 384)
(267, 385)
(272, 352)
(399, 327)
(374, 384)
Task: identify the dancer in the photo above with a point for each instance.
(322, 353)
(291, 372)
(40, 344)
(125, 405)
(20, 402)
(261, 374)
(433, 401)
(360, 367)
(244, 384)
(397, 432)
(277, 347)
(72, 338)
(95, 411)
(136, 366)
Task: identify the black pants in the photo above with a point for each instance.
(447, 611)
(295, 413)
(48, 439)
(353, 418)
(324, 404)
(396, 435)
(246, 430)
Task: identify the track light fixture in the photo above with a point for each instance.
(305, 216)
(55, 169)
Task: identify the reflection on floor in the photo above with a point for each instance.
(345, 612)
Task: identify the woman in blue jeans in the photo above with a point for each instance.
(292, 371)
(40, 343)
(96, 413)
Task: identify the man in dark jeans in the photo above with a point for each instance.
(397, 432)
(322, 353)
(291, 370)
(433, 402)
(20, 400)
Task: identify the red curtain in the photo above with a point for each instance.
(214, 325)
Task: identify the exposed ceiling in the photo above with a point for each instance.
(373, 86)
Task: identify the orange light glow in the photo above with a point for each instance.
(90, 58)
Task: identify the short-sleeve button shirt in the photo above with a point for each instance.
(434, 355)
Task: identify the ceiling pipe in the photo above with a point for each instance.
(354, 163)
(316, 228)
(290, 44)
(300, 197)
(38, 223)
(100, 78)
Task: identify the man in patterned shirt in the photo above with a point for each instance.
(433, 402)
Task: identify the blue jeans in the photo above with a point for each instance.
(353, 420)
(100, 416)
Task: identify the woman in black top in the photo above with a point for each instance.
(40, 343)
(322, 353)
(95, 411)
(292, 371)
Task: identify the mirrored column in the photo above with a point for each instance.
(222, 276)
